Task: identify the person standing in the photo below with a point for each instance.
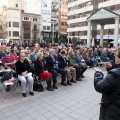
(109, 87)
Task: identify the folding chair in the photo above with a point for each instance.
(4, 84)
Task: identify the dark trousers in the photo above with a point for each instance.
(83, 68)
(62, 72)
(78, 71)
(54, 75)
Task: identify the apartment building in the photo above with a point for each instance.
(80, 10)
(30, 29)
(16, 24)
(63, 18)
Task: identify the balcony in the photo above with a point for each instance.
(63, 32)
(54, 16)
(55, 23)
(55, 9)
(35, 31)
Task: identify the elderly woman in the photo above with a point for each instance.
(41, 72)
(110, 89)
(23, 71)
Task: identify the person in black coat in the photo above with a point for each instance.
(110, 89)
(52, 66)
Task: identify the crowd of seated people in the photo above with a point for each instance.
(51, 62)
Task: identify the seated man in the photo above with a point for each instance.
(33, 55)
(23, 71)
(63, 65)
(9, 63)
(52, 66)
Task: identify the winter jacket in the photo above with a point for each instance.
(110, 89)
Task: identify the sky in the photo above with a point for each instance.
(30, 4)
(3, 2)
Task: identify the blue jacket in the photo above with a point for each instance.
(33, 57)
(78, 59)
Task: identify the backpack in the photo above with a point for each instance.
(37, 86)
(6, 76)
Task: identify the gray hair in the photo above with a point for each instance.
(39, 54)
(22, 54)
(51, 50)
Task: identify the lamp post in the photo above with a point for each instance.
(68, 33)
(79, 32)
(108, 32)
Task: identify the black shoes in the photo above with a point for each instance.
(64, 83)
(74, 81)
(32, 93)
(55, 86)
(8, 88)
(50, 88)
(24, 95)
(69, 83)
(82, 76)
(79, 79)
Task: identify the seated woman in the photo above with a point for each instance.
(41, 72)
(23, 68)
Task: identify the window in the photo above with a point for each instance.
(34, 19)
(79, 24)
(80, 15)
(87, 14)
(16, 5)
(48, 27)
(45, 5)
(15, 24)
(112, 7)
(62, 23)
(9, 33)
(15, 15)
(9, 24)
(88, 3)
(44, 27)
(73, 33)
(15, 33)
(0, 27)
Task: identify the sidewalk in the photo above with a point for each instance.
(77, 102)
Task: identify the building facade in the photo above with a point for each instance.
(80, 10)
(63, 18)
(30, 29)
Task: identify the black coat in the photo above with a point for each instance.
(39, 67)
(110, 89)
(50, 63)
(62, 63)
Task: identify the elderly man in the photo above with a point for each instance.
(9, 63)
(33, 55)
(52, 66)
(71, 72)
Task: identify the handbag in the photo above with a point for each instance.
(6, 75)
(37, 86)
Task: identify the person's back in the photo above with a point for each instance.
(110, 89)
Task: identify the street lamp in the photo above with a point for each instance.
(68, 33)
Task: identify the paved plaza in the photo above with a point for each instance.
(77, 102)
